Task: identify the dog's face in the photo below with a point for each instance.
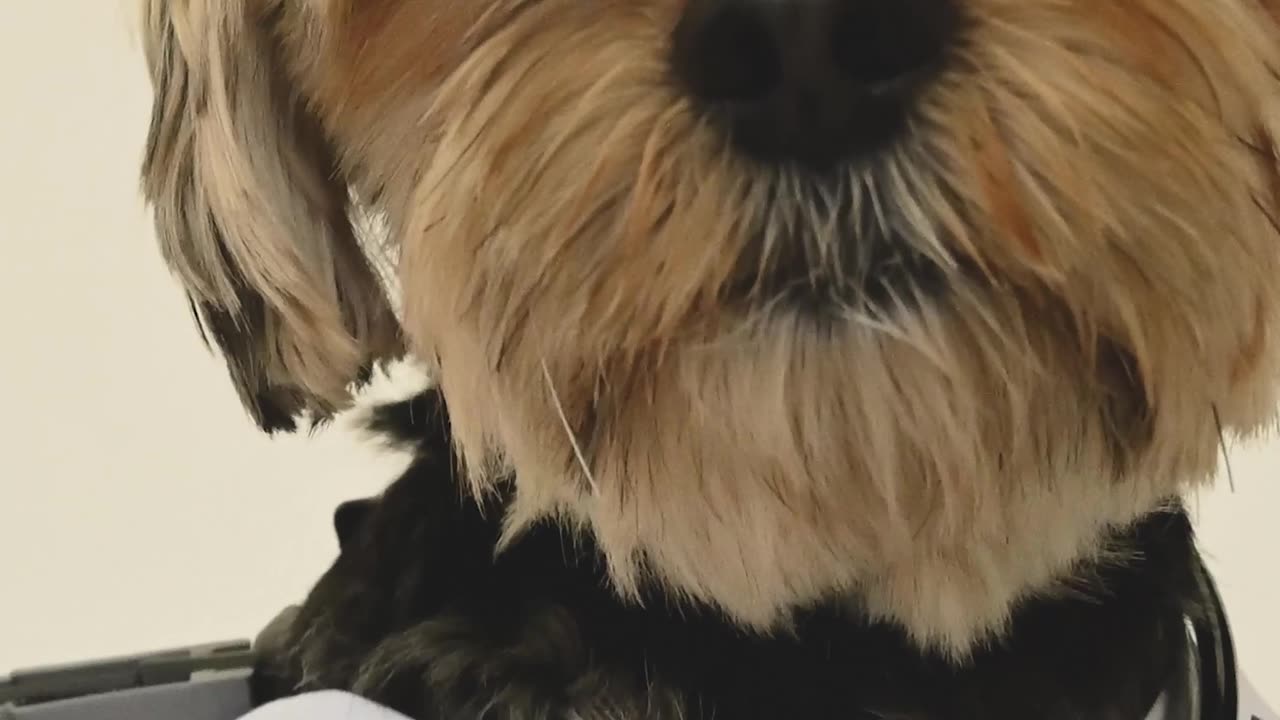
(904, 300)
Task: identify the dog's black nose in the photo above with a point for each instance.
(812, 81)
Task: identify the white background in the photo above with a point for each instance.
(138, 508)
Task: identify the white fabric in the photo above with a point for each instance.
(326, 705)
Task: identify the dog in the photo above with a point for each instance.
(803, 322)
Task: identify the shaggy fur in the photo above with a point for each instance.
(252, 216)
(924, 378)
(417, 614)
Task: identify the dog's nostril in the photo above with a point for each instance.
(880, 43)
(731, 56)
(811, 81)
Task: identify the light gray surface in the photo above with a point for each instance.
(212, 696)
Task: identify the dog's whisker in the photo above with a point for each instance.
(569, 432)
(1222, 445)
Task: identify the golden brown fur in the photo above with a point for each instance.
(1098, 181)
(251, 212)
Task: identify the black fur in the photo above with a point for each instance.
(420, 614)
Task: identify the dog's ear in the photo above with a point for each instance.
(253, 215)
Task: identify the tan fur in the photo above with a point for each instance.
(252, 219)
(1098, 179)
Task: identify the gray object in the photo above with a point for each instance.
(207, 682)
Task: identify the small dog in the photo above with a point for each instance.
(871, 342)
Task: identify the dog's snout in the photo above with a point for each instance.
(811, 81)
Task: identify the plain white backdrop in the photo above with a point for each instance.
(138, 507)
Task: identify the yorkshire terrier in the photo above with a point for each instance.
(802, 358)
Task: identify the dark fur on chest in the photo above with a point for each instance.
(421, 614)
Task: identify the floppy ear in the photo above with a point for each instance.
(252, 214)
